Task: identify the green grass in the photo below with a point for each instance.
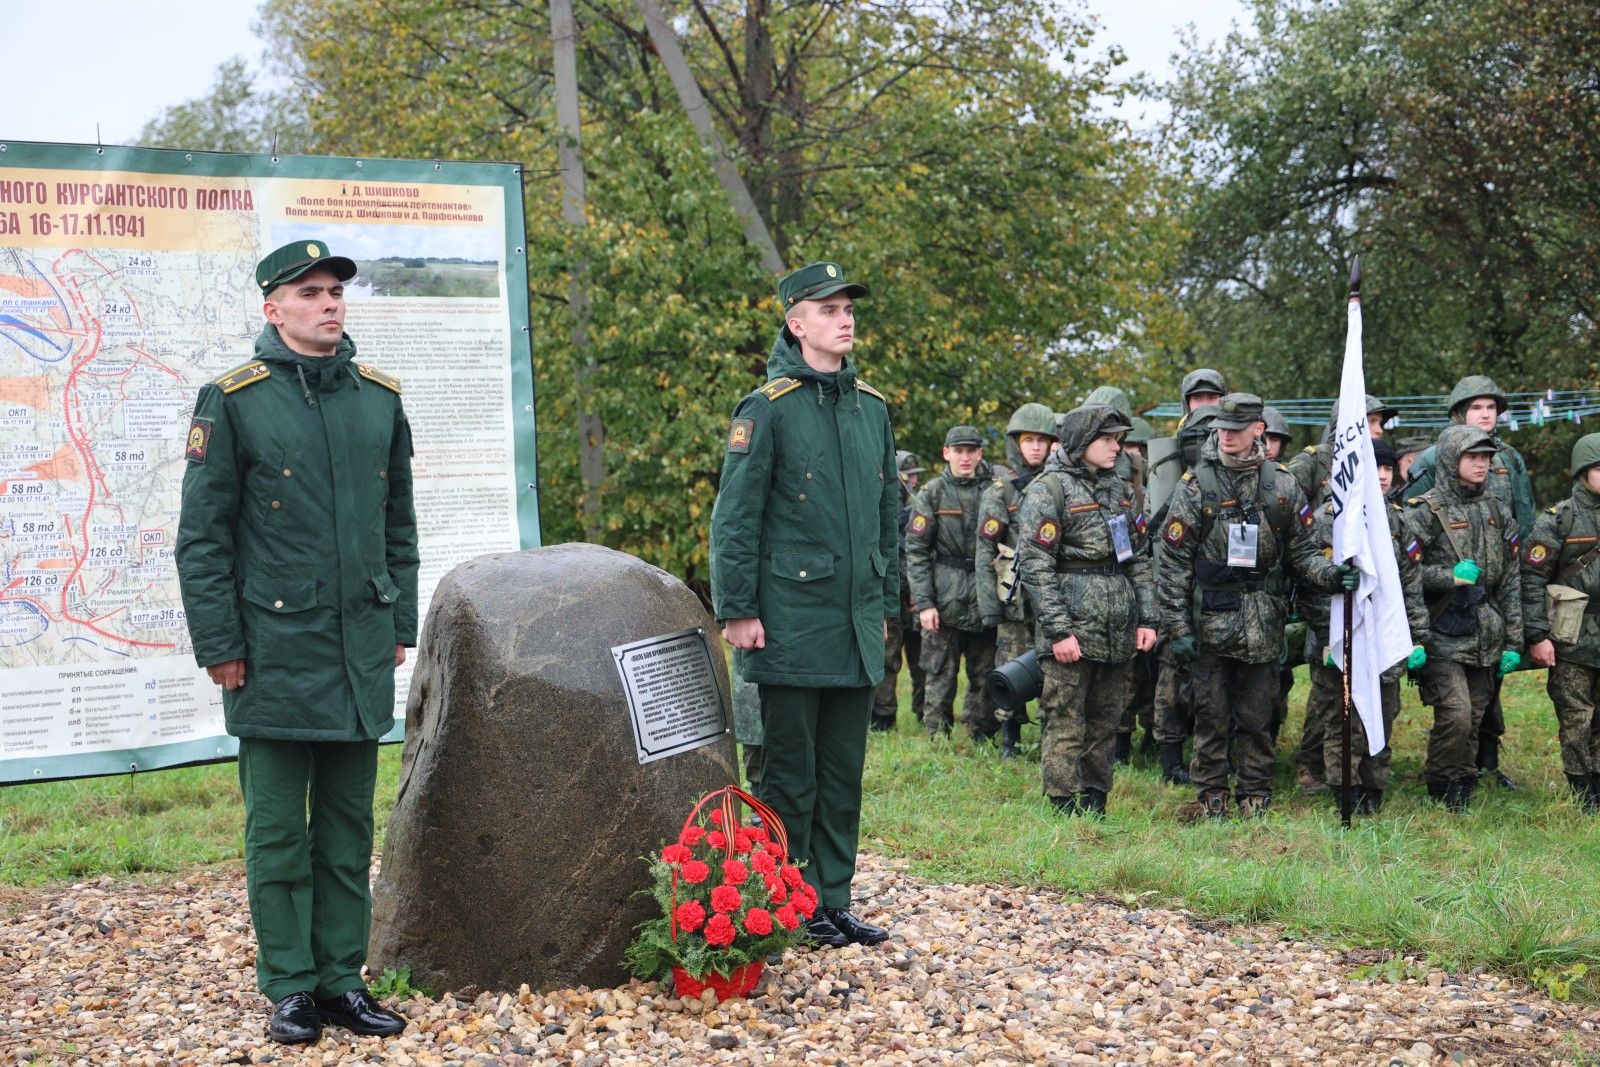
(1508, 886)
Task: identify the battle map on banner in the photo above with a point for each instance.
(126, 282)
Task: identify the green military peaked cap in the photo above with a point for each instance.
(294, 259)
(815, 281)
(1585, 453)
(963, 435)
(1236, 411)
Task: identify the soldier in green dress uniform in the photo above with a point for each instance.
(297, 561)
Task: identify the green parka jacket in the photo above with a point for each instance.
(941, 547)
(1069, 567)
(1561, 536)
(1235, 611)
(804, 532)
(297, 542)
(1490, 612)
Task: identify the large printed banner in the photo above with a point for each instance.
(126, 282)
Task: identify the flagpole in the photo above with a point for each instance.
(1346, 790)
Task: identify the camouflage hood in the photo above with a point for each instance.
(1079, 428)
(1454, 442)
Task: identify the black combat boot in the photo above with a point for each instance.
(1010, 734)
(1122, 748)
(1147, 744)
(1437, 788)
(1173, 770)
(1067, 805)
(1489, 761)
(1458, 794)
(1367, 800)
(1093, 802)
(1591, 800)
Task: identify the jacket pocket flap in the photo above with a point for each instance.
(384, 590)
(802, 566)
(880, 565)
(282, 596)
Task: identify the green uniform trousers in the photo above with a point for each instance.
(307, 875)
(816, 745)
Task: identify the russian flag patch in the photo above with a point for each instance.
(1414, 550)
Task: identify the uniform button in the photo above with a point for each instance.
(802, 574)
(287, 472)
(808, 476)
(802, 496)
(276, 505)
(384, 475)
(277, 603)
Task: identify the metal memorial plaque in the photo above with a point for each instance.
(672, 691)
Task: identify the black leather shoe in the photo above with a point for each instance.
(295, 1020)
(853, 928)
(822, 932)
(359, 1013)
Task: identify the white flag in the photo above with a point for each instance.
(1380, 634)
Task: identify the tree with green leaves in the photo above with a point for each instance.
(234, 117)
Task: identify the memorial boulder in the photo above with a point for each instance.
(514, 851)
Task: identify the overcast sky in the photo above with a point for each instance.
(75, 63)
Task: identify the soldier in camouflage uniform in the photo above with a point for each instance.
(1464, 539)
(940, 541)
(1146, 665)
(1237, 528)
(1477, 401)
(1406, 451)
(1563, 549)
(1030, 436)
(1276, 438)
(1370, 774)
(1083, 565)
(902, 636)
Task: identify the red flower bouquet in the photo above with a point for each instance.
(729, 898)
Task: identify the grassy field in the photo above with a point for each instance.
(1507, 886)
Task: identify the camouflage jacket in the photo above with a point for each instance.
(997, 525)
(1068, 565)
(1561, 536)
(940, 541)
(1237, 612)
(1508, 480)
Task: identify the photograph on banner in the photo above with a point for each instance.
(126, 283)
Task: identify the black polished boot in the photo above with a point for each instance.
(1173, 770)
(823, 933)
(1122, 748)
(359, 1013)
(858, 932)
(295, 1020)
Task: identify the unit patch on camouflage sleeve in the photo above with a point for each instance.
(991, 528)
(1049, 532)
(739, 435)
(1174, 533)
(1305, 516)
(919, 525)
(1414, 550)
(1537, 554)
(199, 440)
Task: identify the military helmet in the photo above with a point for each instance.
(1411, 446)
(1376, 406)
(1033, 418)
(1112, 397)
(1141, 434)
(1204, 380)
(1276, 423)
(1585, 453)
(906, 462)
(1470, 388)
(1194, 430)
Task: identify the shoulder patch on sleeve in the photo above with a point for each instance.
(870, 391)
(199, 440)
(1047, 534)
(373, 374)
(739, 435)
(1537, 554)
(918, 525)
(779, 387)
(1305, 516)
(1174, 533)
(249, 374)
(990, 530)
(1414, 550)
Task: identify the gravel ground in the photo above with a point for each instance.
(161, 973)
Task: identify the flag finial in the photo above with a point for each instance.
(1355, 278)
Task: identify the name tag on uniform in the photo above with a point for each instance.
(1244, 544)
(1121, 541)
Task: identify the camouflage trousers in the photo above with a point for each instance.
(1141, 710)
(1173, 700)
(942, 652)
(1324, 704)
(903, 640)
(1458, 695)
(1575, 691)
(1012, 639)
(1233, 712)
(1080, 707)
(1370, 771)
(1280, 706)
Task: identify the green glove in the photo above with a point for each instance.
(1349, 577)
(1418, 657)
(1509, 661)
(1185, 649)
(1466, 572)
(1327, 658)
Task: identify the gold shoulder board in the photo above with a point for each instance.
(1310, 450)
(1188, 476)
(778, 387)
(870, 391)
(249, 374)
(373, 374)
(1554, 509)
